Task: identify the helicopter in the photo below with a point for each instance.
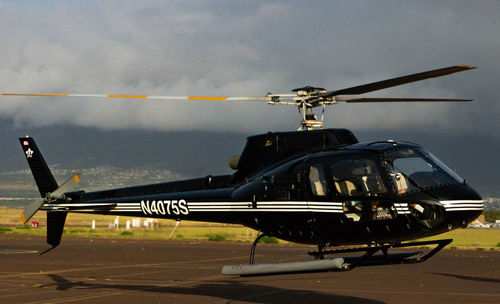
(311, 186)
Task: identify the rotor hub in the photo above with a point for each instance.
(308, 90)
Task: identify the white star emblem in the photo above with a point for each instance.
(29, 153)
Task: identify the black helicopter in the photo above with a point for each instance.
(318, 187)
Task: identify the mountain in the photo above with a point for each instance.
(187, 154)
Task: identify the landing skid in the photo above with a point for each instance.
(369, 259)
(344, 263)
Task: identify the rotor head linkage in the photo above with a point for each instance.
(309, 119)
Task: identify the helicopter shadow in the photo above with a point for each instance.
(470, 278)
(227, 290)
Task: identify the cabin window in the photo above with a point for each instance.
(317, 180)
(357, 177)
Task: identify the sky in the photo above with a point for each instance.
(248, 48)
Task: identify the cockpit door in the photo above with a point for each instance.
(358, 183)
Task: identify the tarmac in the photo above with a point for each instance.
(122, 271)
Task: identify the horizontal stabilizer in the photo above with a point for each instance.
(78, 206)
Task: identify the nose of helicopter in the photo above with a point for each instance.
(459, 204)
(462, 212)
(462, 204)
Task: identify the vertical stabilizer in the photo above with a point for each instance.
(46, 184)
(43, 177)
(55, 226)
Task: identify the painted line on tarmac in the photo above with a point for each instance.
(12, 275)
(16, 251)
(409, 292)
(107, 294)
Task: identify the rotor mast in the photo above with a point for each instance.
(307, 98)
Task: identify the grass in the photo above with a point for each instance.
(216, 237)
(269, 240)
(78, 225)
(5, 229)
(471, 238)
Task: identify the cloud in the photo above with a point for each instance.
(249, 48)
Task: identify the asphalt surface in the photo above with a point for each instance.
(141, 271)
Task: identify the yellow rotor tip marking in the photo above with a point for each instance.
(206, 98)
(127, 96)
(77, 178)
(468, 66)
(23, 219)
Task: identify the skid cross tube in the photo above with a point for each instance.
(320, 255)
(386, 259)
(252, 250)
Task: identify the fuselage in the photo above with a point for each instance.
(380, 192)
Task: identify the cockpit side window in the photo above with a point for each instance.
(399, 179)
(357, 177)
(317, 180)
(418, 169)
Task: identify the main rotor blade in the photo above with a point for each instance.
(384, 84)
(220, 98)
(360, 100)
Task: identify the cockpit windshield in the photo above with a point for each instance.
(418, 169)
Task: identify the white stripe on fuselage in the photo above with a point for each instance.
(282, 206)
(264, 206)
(463, 205)
(267, 206)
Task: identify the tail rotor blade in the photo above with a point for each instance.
(65, 187)
(30, 210)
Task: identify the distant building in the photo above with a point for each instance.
(492, 203)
